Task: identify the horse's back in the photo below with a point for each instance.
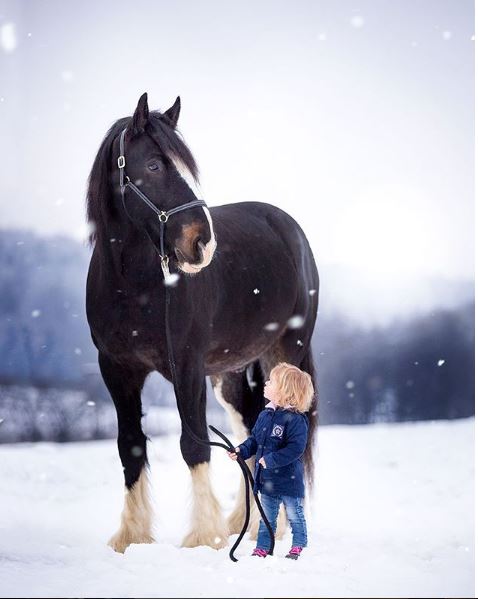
(237, 224)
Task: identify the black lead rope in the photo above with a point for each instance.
(248, 478)
(163, 216)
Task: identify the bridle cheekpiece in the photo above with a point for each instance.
(163, 215)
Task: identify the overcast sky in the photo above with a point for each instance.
(355, 117)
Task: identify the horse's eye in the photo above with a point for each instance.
(153, 166)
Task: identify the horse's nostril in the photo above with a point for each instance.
(198, 246)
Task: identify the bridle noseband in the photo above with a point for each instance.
(163, 215)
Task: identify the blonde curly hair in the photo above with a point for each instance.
(295, 386)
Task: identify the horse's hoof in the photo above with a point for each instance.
(119, 542)
(193, 539)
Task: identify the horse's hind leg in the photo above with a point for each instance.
(125, 386)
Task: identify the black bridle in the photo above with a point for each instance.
(163, 215)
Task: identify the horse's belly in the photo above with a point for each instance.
(231, 359)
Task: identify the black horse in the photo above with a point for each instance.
(244, 294)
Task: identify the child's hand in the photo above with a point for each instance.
(262, 462)
(233, 454)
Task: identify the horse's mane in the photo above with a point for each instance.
(100, 206)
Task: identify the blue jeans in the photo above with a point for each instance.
(294, 507)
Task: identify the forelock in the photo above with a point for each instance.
(171, 144)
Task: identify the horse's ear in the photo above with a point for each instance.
(141, 114)
(173, 113)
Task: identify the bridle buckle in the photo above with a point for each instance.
(163, 216)
(121, 162)
(165, 267)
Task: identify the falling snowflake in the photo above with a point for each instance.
(136, 451)
(271, 326)
(357, 21)
(67, 76)
(171, 280)
(36, 313)
(226, 351)
(322, 37)
(446, 35)
(256, 291)
(349, 384)
(84, 231)
(299, 342)
(312, 291)
(2, 420)
(20, 243)
(134, 333)
(91, 403)
(440, 362)
(8, 37)
(295, 322)
(78, 351)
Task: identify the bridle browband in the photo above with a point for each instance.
(163, 215)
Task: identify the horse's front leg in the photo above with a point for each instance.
(208, 526)
(124, 385)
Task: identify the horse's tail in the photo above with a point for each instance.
(307, 365)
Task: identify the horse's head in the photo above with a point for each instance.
(159, 182)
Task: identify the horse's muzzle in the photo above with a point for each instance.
(198, 257)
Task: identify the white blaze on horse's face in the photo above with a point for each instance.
(210, 247)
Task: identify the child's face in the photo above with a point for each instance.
(272, 391)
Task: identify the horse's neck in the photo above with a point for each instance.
(131, 257)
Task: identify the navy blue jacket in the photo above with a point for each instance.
(280, 437)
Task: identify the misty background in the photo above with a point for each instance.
(357, 118)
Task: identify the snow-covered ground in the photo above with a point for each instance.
(393, 516)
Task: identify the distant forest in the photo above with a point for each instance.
(414, 369)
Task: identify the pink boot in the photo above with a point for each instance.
(294, 552)
(259, 552)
